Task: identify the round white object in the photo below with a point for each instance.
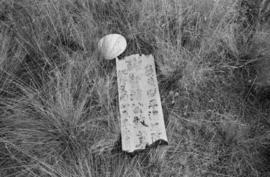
(112, 45)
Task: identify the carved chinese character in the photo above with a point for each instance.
(149, 70)
(151, 92)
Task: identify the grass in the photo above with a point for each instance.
(58, 97)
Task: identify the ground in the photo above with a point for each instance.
(59, 112)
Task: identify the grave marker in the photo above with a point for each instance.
(142, 121)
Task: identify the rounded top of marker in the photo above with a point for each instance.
(112, 45)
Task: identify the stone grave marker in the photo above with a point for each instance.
(142, 121)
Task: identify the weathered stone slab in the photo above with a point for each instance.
(142, 122)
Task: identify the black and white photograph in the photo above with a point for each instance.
(134, 88)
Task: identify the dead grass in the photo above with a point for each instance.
(58, 101)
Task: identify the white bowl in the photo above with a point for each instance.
(112, 45)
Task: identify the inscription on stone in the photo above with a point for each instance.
(142, 121)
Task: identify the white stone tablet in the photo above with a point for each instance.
(142, 122)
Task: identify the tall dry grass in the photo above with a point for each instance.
(58, 101)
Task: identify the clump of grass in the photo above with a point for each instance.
(58, 97)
